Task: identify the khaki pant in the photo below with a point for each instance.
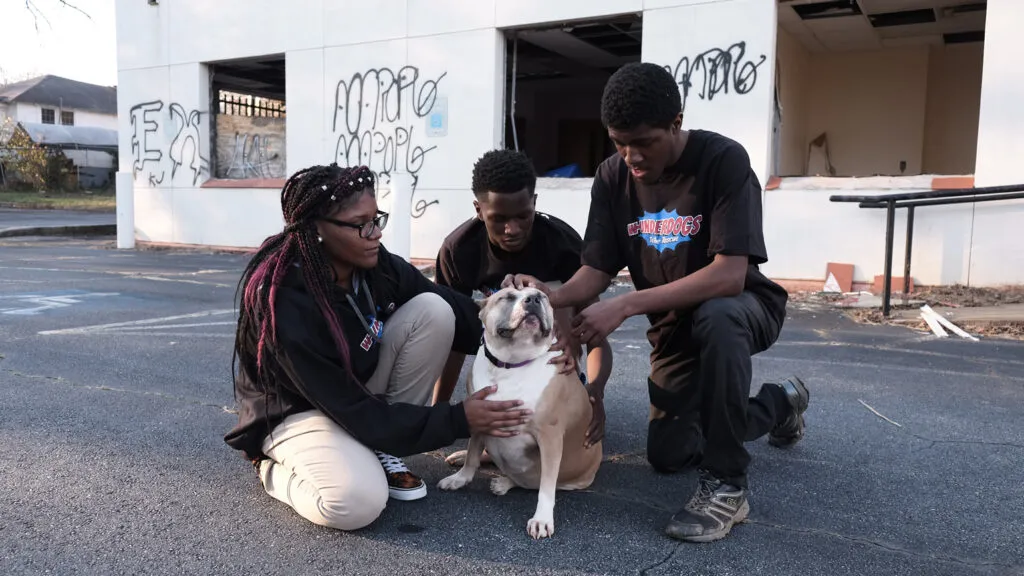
(323, 473)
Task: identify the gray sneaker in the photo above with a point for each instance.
(711, 513)
(791, 430)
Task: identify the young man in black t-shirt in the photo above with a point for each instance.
(682, 210)
(508, 236)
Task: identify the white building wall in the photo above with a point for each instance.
(737, 100)
(804, 231)
(31, 112)
(997, 246)
(85, 118)
(454, 51)
(22, 112)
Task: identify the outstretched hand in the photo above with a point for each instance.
(494, 417)
(598, 320)
(569, 348)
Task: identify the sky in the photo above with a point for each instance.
(69, 45)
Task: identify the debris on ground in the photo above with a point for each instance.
(865, 308)
(939, 324)
(879, 414)
(960, 296)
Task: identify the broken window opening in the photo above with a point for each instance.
(248, 128)
(555, 76)
(883, 90)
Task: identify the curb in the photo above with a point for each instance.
(31, 206)
(90, 230)
(175, 247)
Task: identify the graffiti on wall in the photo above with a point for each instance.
(251, 157)
(151, 124)
(717, 71)
(376, 113)
(249, 146)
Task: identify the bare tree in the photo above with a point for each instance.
(7, 78)
(37, 13)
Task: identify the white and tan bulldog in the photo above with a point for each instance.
(548, 452)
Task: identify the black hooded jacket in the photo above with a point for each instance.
(308, 370)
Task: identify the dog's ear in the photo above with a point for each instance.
(482, 304)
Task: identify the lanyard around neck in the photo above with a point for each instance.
(369, 301)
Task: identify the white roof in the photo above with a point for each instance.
(71, 136)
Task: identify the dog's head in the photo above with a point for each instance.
(519, 320)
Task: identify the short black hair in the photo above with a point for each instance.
(503, 172)
(640, 93)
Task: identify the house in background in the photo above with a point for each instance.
(77, 117)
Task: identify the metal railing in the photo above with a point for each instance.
(236, 104)
(910, 201)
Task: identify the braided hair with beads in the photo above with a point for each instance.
(308, 194)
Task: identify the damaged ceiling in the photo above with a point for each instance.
(576, 49)
(851, 25)
(262, 77)
(596, 49)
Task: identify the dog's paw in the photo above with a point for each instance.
(454, 482)
(540, 527)
(500, 485)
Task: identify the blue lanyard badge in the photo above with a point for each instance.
(375, 328)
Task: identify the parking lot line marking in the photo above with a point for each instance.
(183, 335)
(162, 326)
(32, 304)
(116, 325)
(134, 275)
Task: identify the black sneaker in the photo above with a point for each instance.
(711, 512)
(402, 484)
(791, 430)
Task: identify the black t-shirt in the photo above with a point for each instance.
(468, 261)
(707, 203)
(308, 371)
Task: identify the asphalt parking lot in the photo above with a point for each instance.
(115, 393)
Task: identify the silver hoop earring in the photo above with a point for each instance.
(319, 239)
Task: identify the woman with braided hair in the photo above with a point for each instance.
(339, 344)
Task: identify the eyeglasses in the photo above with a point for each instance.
(366, 228)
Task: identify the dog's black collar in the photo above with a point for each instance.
(499, 363)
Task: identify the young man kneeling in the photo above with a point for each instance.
(508, 236)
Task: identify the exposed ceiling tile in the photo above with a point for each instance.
(786, 14)
(965, 7)
(826, 9)
(810, 42)
(928, 40)
(902, 18)
(851, 44)
(909, 31)
(795, 28)
(837, 25)
(964, 21)
(964, 37)
(827, 25)
(877, 6)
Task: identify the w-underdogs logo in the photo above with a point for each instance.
(665, 230)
